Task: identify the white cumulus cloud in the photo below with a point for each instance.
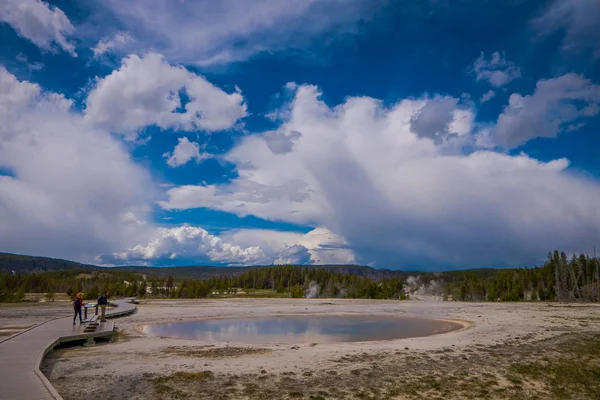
(293, 255)
(497, 70)
(105, 45)
(72, 190)
(318, 246)
(185, 242)
(184, 152)
(361, 171)
(46, 26)
(556, 105)
(235, 247)
(148, 90)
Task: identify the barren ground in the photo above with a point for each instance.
(15, 317)
(507, 350)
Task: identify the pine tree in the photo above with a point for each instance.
(142, 289)
(169, 284)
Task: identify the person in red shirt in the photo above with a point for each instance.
(77, 306)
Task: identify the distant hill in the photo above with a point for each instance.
(186, 272)
(360, 270)
(22, 263)
(29, 264)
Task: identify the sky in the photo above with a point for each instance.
(429, 135)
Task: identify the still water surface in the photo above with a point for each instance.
(303, 329)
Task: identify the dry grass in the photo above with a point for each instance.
(214, 352)
(565, 367)
(575, 375)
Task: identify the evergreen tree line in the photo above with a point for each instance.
(312, 282)
(72, 281)
(559, 279)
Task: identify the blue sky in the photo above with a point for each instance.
(427, 135)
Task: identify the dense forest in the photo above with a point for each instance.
(13, 286)
(559, 279)
(291, 280)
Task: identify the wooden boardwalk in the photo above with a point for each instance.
(22, 354)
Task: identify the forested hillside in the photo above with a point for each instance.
(28, 264)
(559, 279)
(207, 272)
(21, 263)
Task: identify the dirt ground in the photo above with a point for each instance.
(15, 317)
(506, 350)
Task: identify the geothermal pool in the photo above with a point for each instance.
(303, 329)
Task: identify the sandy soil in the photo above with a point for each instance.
(478, 361)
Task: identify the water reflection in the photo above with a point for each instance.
(303, 329)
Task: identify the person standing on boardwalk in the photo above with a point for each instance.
(77, 306)
(103, 302)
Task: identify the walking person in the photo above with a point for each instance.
(77, 306)
(103, 302)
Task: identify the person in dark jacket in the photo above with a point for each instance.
(103, 302)
(77, 306)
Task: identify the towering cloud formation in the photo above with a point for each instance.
(71, 190)
(362, 171)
